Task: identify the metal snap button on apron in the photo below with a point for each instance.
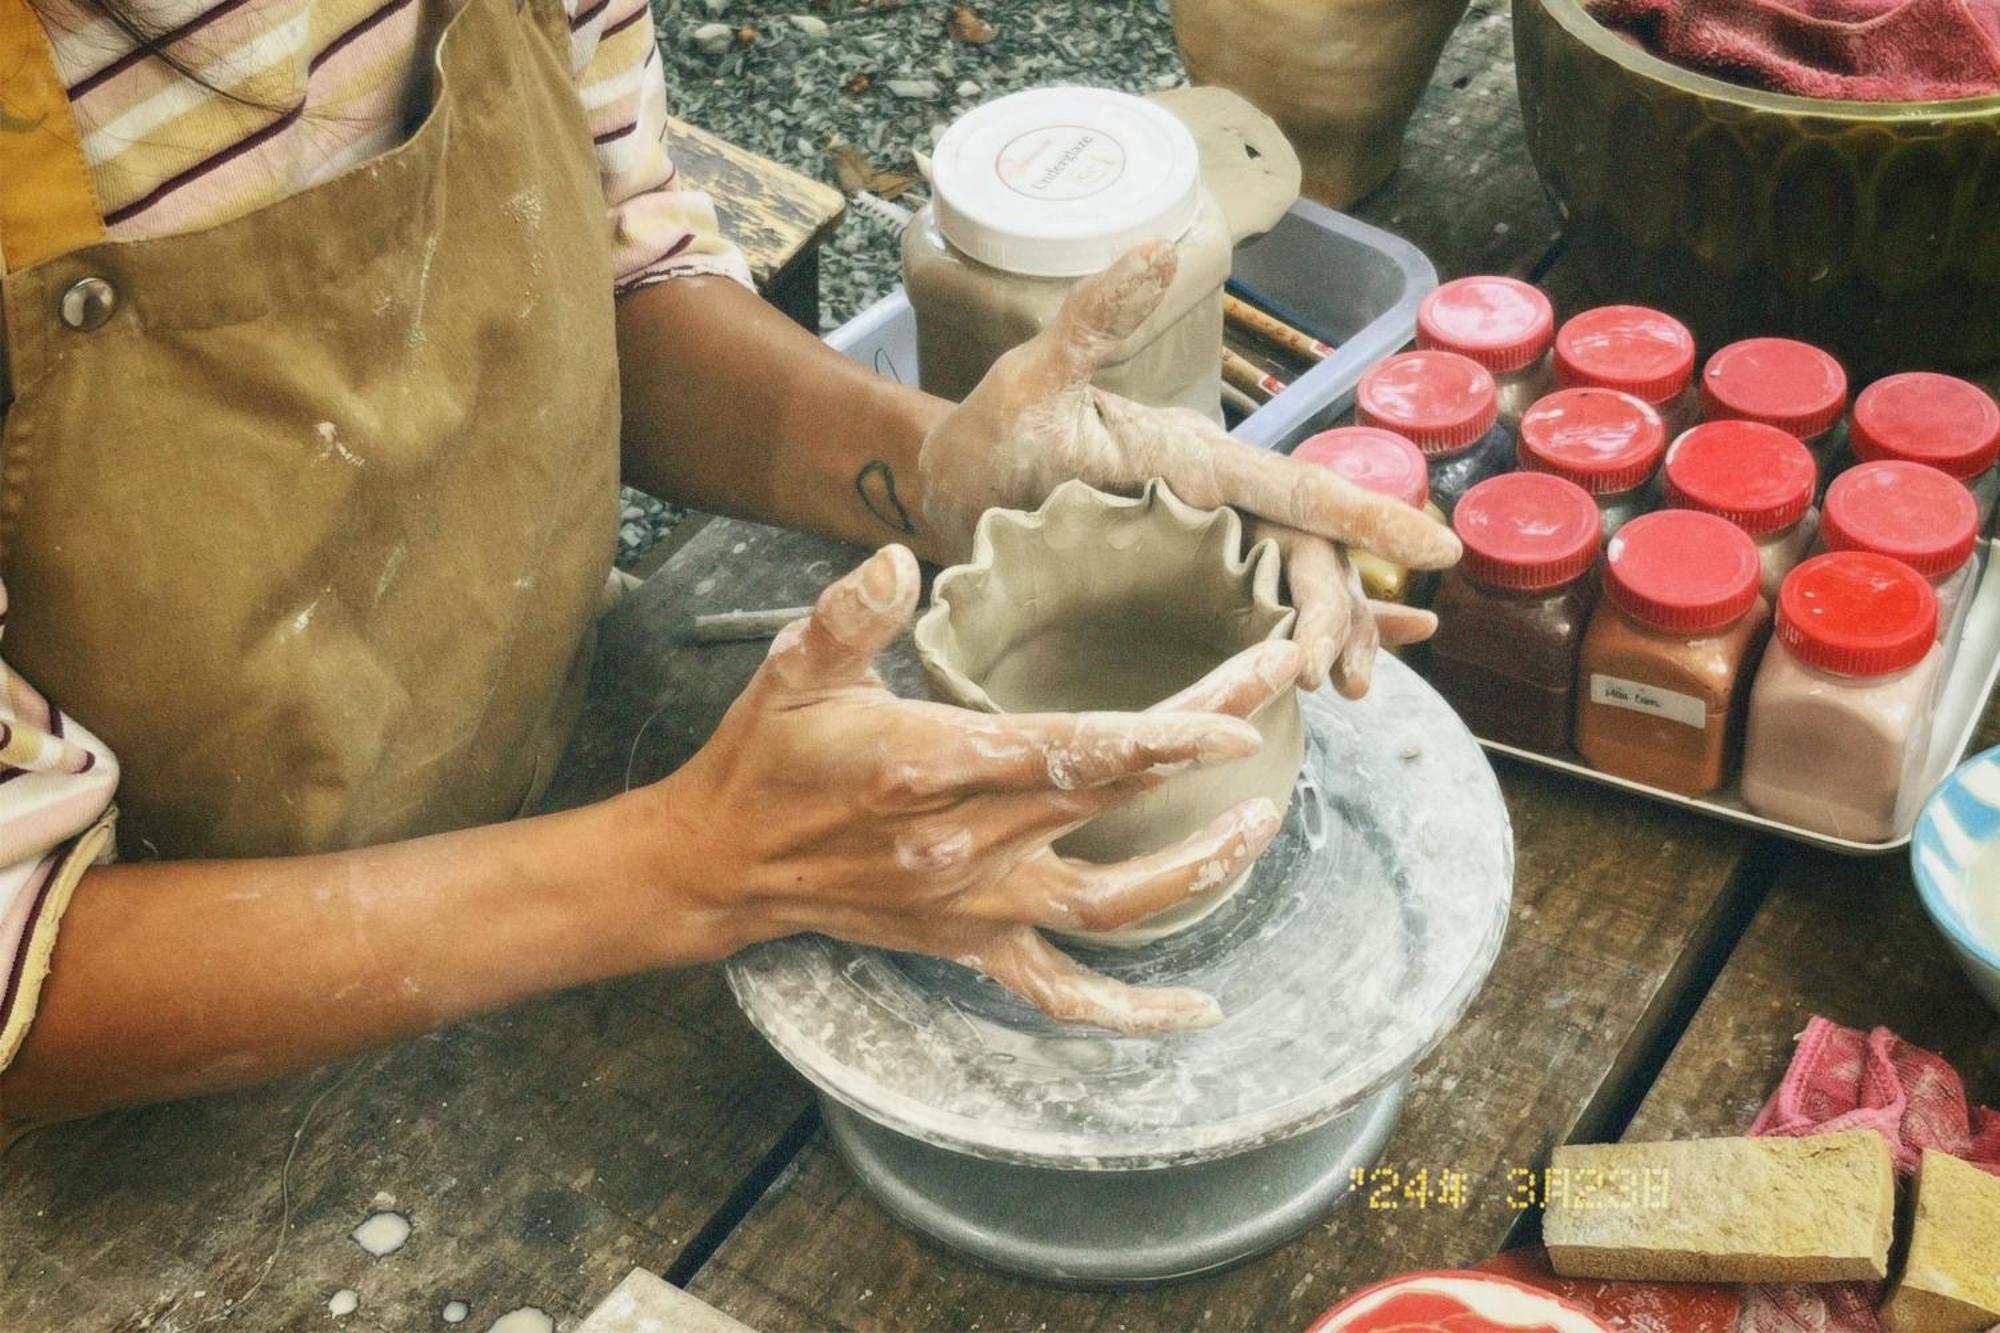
(88, 302)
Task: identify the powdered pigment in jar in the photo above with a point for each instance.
(1840, 715)
(1605, 441)
(1757, 477)
(1784, 383)
(1914, 514)
(1668, 658)
(1633, 349)
(1937, 420)
(1448, 407)
(1502, 323)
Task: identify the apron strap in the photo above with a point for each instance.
(48, 205)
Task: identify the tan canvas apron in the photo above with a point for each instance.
(307, 514)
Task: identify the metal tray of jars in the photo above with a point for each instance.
(1968, 684)
(1342, 281)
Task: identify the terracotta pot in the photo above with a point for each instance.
(1098, 601)
(1340, 76)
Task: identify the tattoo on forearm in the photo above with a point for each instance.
(875, 483)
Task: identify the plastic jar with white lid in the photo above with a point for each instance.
(1504, 324)
(1785, 383)
(1383, 462)
(1037, 189)
(1448, 407)
(1914, 514)
(1633, 349)
(1756, 476)
(1937, 420)
(1841, 710)
(1607, 442)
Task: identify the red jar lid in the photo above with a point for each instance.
(1440, 401)
(1925, 418)
(1605, 441)
(1917, 514)
(1756, 476)
(1779, 381)
(1632, 348)
(1374, 459)
(1857, 613)
(1528, 531)
(1682, 570)
(1502, 323)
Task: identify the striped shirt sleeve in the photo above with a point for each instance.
(660, 229)
(56, 784)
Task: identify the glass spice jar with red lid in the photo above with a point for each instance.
(1504, 324)
(1758, 477)
(1385, 463)
(1633, 349)
(1512, 612)
(1841, 711)
(1914, 514)
(1607, 442)
(1940, 421)
(1667, 661)
(1446, 405)
(1781, 382)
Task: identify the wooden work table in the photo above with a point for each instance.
(1655, 971)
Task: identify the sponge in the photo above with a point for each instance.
(1819, 1209)
(1951, 1279)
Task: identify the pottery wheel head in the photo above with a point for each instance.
(1360, 939)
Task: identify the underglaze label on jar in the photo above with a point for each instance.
(1061, 162)
(1685, 709)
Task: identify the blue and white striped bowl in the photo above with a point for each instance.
(1960, 819)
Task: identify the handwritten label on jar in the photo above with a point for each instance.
(1685, 709)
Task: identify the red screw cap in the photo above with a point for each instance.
(1756, 476)
(1440, 401)
(1779, 381)
(1682, 571)
(1914, 513)
(1924, 418)
(1605, 441)
(1527, 531)
(1857, 614)
(1374, 459)
(1502, 323)
(1631, 348)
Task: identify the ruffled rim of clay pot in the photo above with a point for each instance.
(1259, 569)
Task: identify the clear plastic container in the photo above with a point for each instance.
(1633, 349)
(1937, 420)
(1667, 661)
(1035, 190)
(1504, 324)
(1784, 383)
(1448, 407)
(1607, 442)
(1757, 477)
(1840, 714)
(1512, 613)
(1387, 464)
(1914, 514)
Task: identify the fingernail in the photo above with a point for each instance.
(883, 578)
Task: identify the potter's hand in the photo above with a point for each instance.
(825, 803)
(1035, 421)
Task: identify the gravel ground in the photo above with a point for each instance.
(879, 80)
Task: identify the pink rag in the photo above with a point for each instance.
(1858, 50)
(1842, 1079)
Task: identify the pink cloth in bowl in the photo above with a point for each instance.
(1850, 50)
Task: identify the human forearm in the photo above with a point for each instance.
(732, 408)
(177, 978)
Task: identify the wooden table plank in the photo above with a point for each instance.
(541, 1153)
(773, 213)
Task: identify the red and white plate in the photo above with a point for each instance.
(1456, 1303)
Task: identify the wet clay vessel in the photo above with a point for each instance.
(1099, 601)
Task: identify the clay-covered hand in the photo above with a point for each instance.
(825, 803)
(1036, 421)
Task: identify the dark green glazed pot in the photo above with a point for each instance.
(1872, 229)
